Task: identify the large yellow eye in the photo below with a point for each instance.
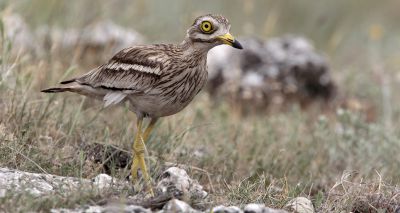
(206, 27)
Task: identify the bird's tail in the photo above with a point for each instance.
(68, 88)
(56, 90)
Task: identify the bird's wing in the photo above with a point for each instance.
(132, 70)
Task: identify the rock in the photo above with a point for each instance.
(225, 209)
(270, 73)
(18, 43)
(39, 184)
(102, 181)
(101, 209)
(126, 208)
(95, 43)
(91, 209)
(19, 34)
(90, 45)
(300, 205)
(178, 206)
(35, 184)
(176, 181)
(106, 33)
(261, 208)
(254, 208)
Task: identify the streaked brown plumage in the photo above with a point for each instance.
(157, 80)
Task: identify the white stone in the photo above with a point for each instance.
(108, 208)
(178, 206)
(300, 205)
(254, 208)
(225, 209)
(252, 79)
(18, 33)
(261, 208)
(177, 182)
(35, 184)
(102, 181)
(39, 184)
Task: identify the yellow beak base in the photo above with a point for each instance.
(230, 40)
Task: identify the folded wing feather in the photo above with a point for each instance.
(113, 98)
(134, 69)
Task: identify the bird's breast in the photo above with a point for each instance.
(174, 92)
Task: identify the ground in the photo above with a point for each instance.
(343, 159)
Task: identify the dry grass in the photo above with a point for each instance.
(337, 159)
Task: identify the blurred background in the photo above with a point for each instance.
(309, 104)
(158, 21)
(346, 34)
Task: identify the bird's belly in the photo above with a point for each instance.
(171, 97)
(156, 106)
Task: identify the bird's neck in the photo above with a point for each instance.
(190, 47)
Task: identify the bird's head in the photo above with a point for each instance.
(210, 31)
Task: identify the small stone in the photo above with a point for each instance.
(224, 209)
(176, 182)
(87, 209)
(125, 208)
(102, 209)
(300, 205)
(92, 209)
(254, 208)
(136, 209)
(178, 206)
(270, 210)
(261, 208)
(102, 181)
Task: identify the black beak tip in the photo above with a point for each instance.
(236, 44)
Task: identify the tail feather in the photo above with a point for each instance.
(67, 81)
(60, 89)
(56, 90)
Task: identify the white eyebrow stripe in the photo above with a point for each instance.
(137, 67)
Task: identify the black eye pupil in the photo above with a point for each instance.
(206, 25)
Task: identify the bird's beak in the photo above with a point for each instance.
(230, 40)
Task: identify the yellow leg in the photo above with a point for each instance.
(138, 151)
(149, 128)
(145, 135)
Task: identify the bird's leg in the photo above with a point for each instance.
(149, 128)
(138, 150)
(145, 136)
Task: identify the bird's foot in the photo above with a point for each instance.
(138, 162)
(134, 169)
